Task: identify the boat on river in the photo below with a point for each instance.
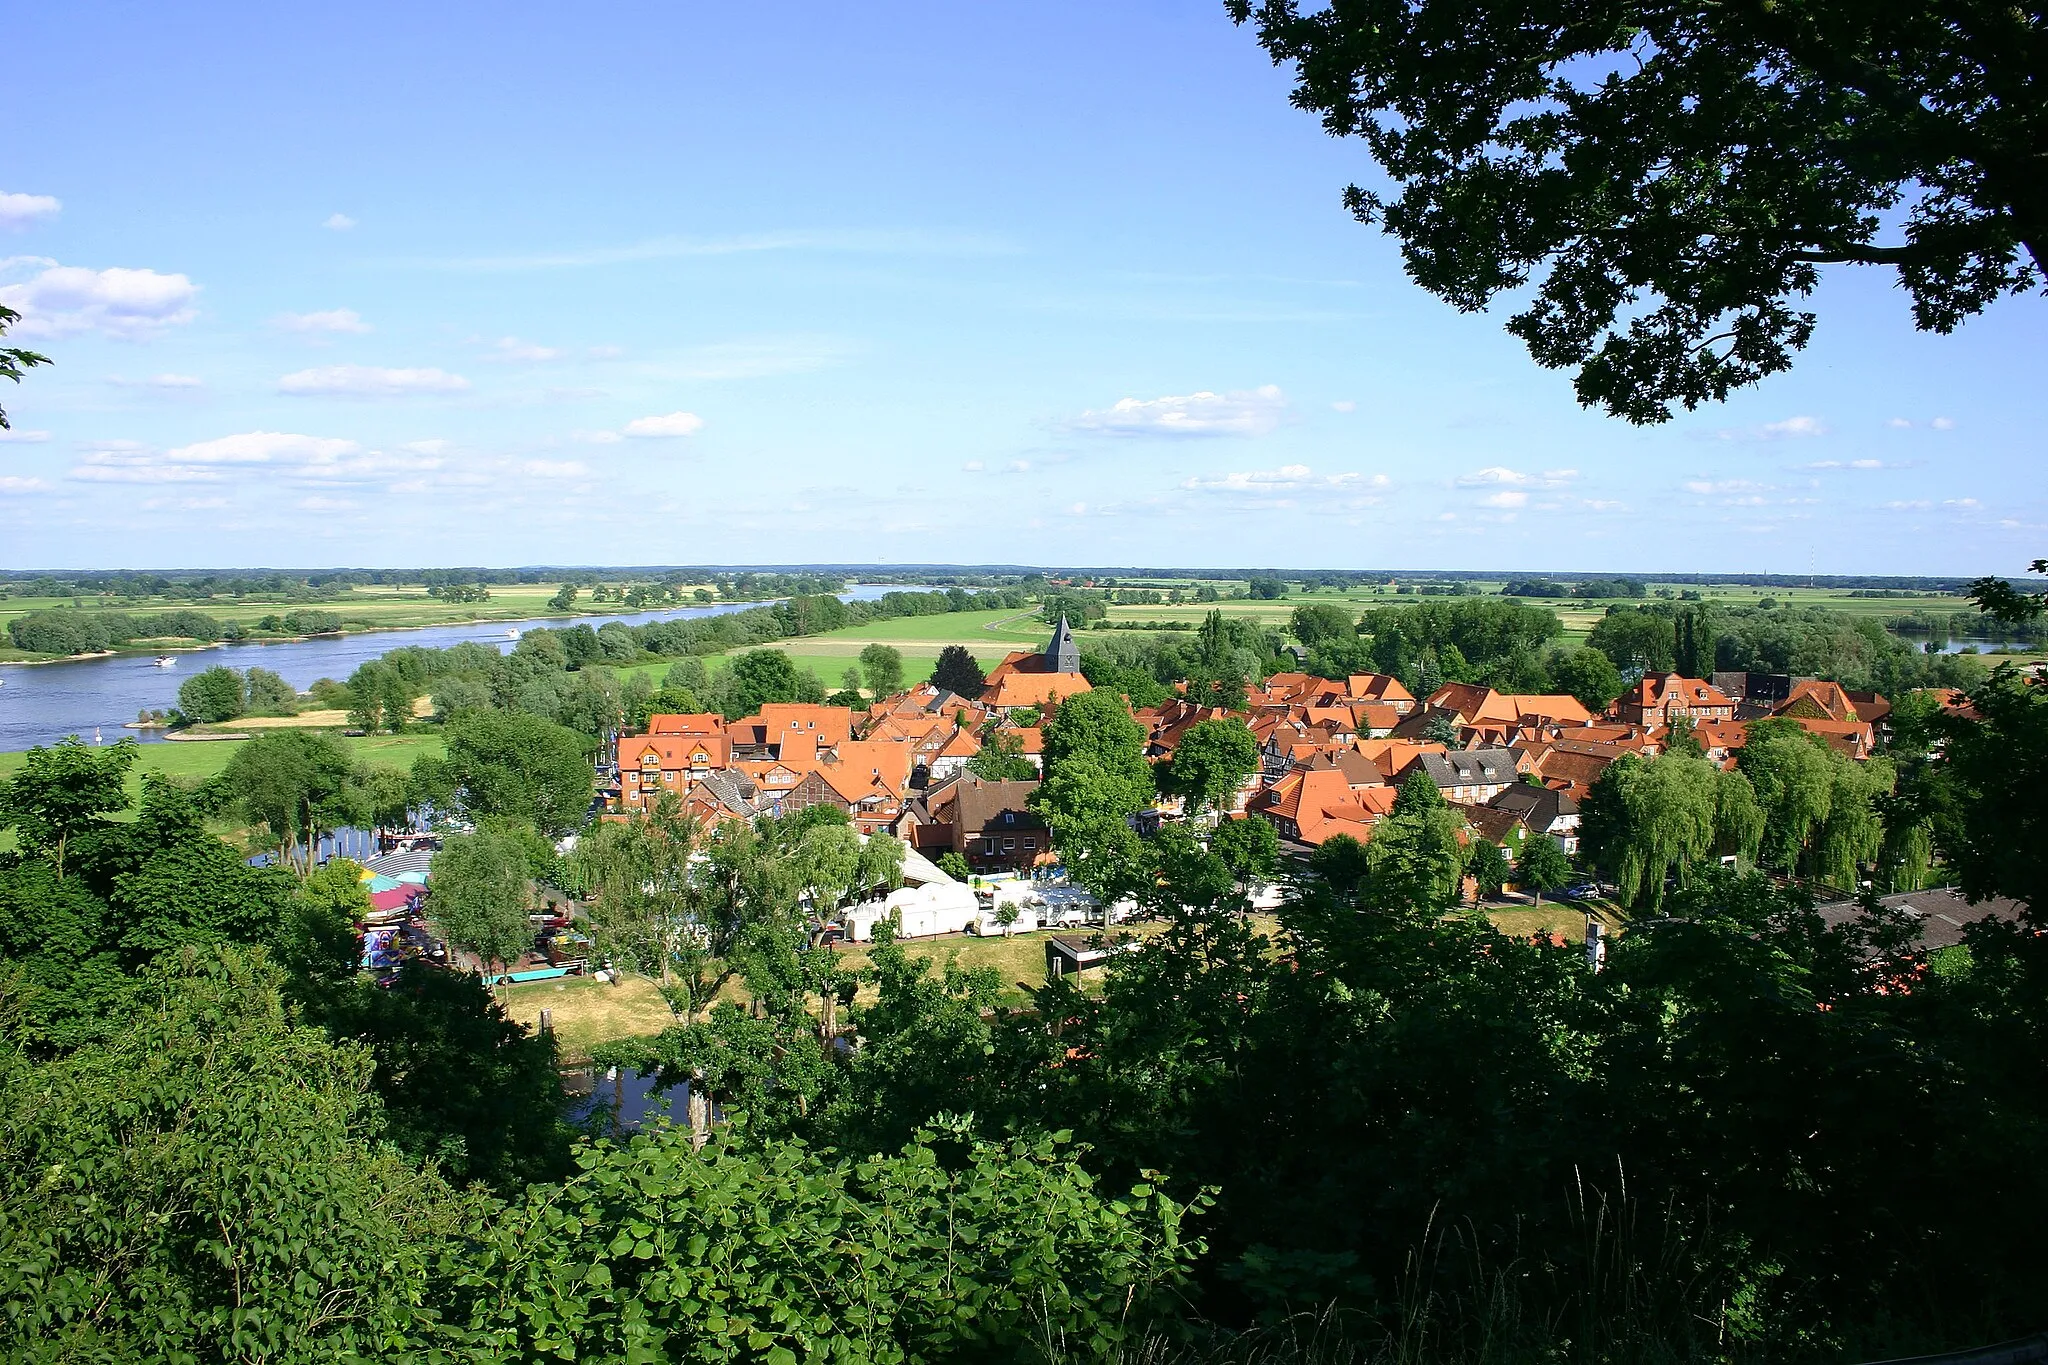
(165, 661)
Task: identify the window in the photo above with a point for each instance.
(1009, 817)
(991, 848)
(1009, 845)
(1029, 843)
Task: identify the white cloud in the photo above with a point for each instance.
(1854, 464)
(972, 467)
(597, 438)
(1943, 424)
(669, 424)
(318, 460)
(555, 469)
(1290, 478)
(1250, 412)
(338, 222)
(605, 352)
(1795, 426)
(1898, 422)
(19, 210)
(123, 465)
(1344, 405)
(436, 446)
(1916, 505)
(318, 503)
(369, 381)
(1961, 502)
(1507, 497)
(26, 437)
(1500, 476)
(16, 483)
(513, 350)
(326, 320)
(64, 300)
(265, 447)
(1722, 485)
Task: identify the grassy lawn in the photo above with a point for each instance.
(587, 1011)
(195, 761)
(988, 635)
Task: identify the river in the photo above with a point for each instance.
(42, 703)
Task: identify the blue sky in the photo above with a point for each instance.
(668, 283)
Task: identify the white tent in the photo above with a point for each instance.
(940, 907)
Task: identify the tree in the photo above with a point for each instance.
(1537, 151)
(478, 898)
(1213, 759)
(1248, 847)
(955, 866)
(1001, 759)
(1419, 794)
(883, 666)
(1488, 867)
(226, 1190)
(212, 695)
(269, 694)
(511, 764)
(13, 360)
(1440, 728)
(1985, 799)
(1586, 674)
(64, 790)
(1542, 866)
(957, 672)
(1636, 639)
(639, 898)
(563, 600)
(1645, 820)
(297, 785)
(1317, 622)
(760, 676)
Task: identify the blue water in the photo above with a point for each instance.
(42, 703)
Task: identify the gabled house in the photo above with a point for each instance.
(1380, 687)
(990, 824)
(1472, 777)
(653, 765)
(1660, 698)
(1310, 806)
(1541, 810)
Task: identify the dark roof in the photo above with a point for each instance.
(1536, 807)
(1471, 767)
(1358, 770)
(981, 803)
(1492, 823)
(1942, 914)
(737, 795)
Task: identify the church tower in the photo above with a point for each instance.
(1062, 655)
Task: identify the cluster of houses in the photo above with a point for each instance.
(1334, 753)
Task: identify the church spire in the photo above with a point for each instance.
(1061, 655)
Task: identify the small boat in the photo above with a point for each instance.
(165, 661)
(512, 634)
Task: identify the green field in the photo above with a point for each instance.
(988, 635)
(195, 761)
(1578, 615)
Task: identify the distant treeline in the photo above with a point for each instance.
(64, 631)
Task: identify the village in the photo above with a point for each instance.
(1333, 757)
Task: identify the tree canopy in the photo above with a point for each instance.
(1662, 184)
